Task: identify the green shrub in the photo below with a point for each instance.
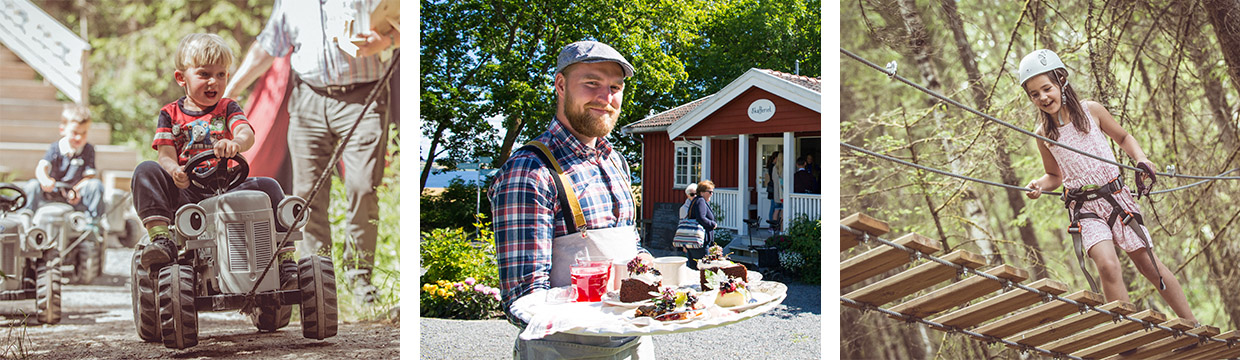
(449, 254)
(454, 207)
(805, 237)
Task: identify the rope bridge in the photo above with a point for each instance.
(1114, 330)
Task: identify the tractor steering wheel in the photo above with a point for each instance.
(61, 192)
(219, 178)
(12, 203)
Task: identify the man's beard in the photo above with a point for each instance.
(580, 118)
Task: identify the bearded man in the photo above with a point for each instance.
(567, 193)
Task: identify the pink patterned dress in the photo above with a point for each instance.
(1080, 170)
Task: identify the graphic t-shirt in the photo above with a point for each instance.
(192, 132)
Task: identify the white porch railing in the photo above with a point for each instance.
(729, 200)
(808, 204)
(47, 46)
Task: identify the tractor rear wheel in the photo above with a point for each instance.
(318, 297)
(145, 305)
(177, 315)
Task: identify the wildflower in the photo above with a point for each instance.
(470, 281)
(450, 294)
(443, 283)
(496, 296)
(460, 286)
(482, 289)
(429, 288)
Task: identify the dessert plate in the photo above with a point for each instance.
(613, 299)
(756, 299)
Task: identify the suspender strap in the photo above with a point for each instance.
(563, 185)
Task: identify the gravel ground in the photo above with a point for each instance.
(791, 331)
(98, 324)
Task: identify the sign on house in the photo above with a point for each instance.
(761, 110)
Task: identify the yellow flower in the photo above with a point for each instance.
(441, 292)
(450, 294)
(443, 283)
(429, 288)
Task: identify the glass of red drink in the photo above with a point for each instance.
(590, 278)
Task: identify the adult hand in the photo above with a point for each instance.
(226, 149)
(1146, 173)
(179, 178)
(375, 43)
(1036, 192)
(646, 257)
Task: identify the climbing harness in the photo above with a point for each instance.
(1075, 199)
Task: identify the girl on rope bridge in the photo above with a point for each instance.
(1102, 212)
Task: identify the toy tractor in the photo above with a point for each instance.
(230, 241)
(78, 238)
(29, 258)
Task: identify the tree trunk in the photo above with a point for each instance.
(1101, 50)
(1211, 86)
(1041, 26)
(430, 156)
(1225, 16)
(510, 138)
(919, 43)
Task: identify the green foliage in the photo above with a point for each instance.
(454, 207)
(723, 237)
(450, 254)
(464, 300)
(805, 237)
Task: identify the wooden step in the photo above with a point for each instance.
(960, 293)
(21, 158)
(916, 279)
(1226, 353)
(882, 258)
(1072, 325)
(1203, 351)
(26, 89)
(1038, 315)
(46, 132)
(999, 305)
(1103, 333)
(1133, 340)
(15, 71)
(20, 109)
(863, 222)
(1161, 349)
(7, 56)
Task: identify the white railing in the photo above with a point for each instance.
(808, 204)
(729, 200)
(47, 46)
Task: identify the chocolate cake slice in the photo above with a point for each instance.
(643, 282)
(716, 260)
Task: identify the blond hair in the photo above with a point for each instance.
(76, 114)
(202, 49)
(705, 185)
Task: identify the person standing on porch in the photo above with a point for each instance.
(775, 187)
(538, 228)
(803, 181)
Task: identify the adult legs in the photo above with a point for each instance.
(1174, 294)
(363, 171)
(1109, 272)
(310, 147)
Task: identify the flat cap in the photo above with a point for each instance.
(591, 52)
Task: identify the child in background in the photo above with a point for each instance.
(1094, 189)
(70, 160)
(201, 120)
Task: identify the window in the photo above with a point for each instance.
(688, 164)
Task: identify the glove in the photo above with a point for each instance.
(1148, 169)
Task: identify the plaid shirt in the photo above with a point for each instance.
(526, 213)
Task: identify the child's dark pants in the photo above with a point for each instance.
(156, 197)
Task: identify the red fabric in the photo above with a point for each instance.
(268, 115)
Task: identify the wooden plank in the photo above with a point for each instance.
(1103, 333)
(913, 280)
(999, 305)
(1133, 340)
(1161, 349)
(1039, 315)
(861, 222)
(1231, 353)
(960, 293)
(883, 258)
(1203, 351)
(1072, 325)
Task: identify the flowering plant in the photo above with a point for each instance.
(466, 300)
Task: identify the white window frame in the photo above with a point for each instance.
(691, 171)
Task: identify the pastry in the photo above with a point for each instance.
(716, 260)
(642, 284)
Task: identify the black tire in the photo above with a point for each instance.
(47, 290)
(177, 316)
(88, 264)
(145, 306)
(133, 233)
(272, 318)
(317, 282)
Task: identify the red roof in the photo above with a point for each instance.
(805, 81)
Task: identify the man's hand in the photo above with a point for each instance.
(646, 257)
(226, 149)
(179, 178)
(375, 43)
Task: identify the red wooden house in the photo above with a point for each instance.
(726, 138)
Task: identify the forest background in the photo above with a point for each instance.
(1169, 71)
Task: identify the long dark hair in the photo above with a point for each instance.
(1050, 125)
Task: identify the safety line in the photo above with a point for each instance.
(866, 237)
(1014, 127)
(987, 338)
(991, 183)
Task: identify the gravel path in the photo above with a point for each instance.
(791, 331)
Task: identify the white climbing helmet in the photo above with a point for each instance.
(1038, 62)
